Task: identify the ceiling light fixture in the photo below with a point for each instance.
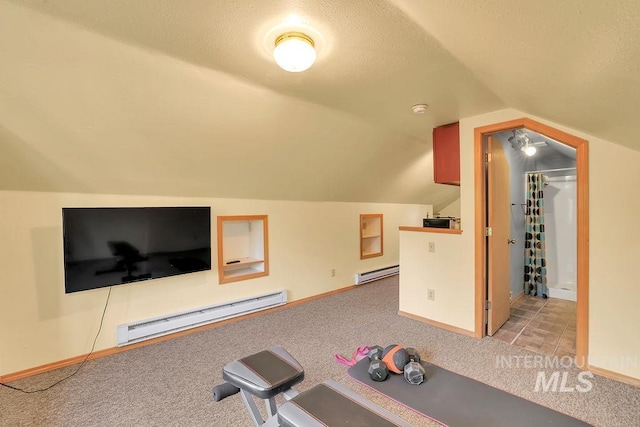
(420, 108)
(294, 52)
(529, 150)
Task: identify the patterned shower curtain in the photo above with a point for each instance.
(535, 263)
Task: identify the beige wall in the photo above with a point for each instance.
(41, 324)
(452, 209)
(614, 241)
(441, 271)
(614, 290)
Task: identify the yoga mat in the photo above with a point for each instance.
(455, 400)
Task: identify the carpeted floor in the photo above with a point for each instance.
(169, 383)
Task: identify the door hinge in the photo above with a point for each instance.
(487, 157)
(488, 231)
(488, 305)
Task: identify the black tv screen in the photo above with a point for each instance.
(113, 246)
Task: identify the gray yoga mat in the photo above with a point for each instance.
(455, 400)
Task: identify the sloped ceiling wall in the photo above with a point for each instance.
(174, 98)
(574, 62)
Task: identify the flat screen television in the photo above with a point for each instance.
(113, 246)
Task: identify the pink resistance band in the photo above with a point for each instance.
(358, 355)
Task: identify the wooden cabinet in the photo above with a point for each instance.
(371, 235)
(243, 251)
(446, 154)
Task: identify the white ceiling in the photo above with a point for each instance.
(182, 98)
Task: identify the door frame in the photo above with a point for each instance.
(582, 193)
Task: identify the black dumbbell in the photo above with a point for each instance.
(414, 356)
(378, 370)
(414, 372)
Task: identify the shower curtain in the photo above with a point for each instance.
(535, 265)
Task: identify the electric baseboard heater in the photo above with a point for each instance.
(151, 328)
(380, 273)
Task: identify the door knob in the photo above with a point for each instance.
(511, 241)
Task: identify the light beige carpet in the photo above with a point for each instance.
(170, 383)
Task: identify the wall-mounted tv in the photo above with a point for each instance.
(113, 246)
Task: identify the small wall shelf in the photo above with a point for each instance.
(371, 235)
(243, 251)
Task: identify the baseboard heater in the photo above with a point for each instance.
(152, 328)
(369, 276)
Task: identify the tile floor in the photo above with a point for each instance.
(546, 326)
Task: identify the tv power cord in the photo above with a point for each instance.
(79, 366)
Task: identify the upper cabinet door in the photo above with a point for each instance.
(446, 154)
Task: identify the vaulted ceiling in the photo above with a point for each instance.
(183, 98)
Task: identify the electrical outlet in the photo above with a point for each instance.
(333, 272)
(431, 294)
(432, 246)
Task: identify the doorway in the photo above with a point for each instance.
(485, 255)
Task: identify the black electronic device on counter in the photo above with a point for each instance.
(442, 222)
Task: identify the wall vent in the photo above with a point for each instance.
(151, 328)
(369, 276)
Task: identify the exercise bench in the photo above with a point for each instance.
(269, 373)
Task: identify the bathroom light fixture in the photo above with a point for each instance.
(529, 150)
(294, 52)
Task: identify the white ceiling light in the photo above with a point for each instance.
(529, 150)
(420, 108)
(294, 52)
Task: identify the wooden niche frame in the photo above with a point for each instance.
(243, 247)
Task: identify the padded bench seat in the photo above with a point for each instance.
(264, 374)
(333, 405)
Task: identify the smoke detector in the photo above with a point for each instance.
(419, 108)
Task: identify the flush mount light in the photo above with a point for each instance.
(420, 108)
(294, 52)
